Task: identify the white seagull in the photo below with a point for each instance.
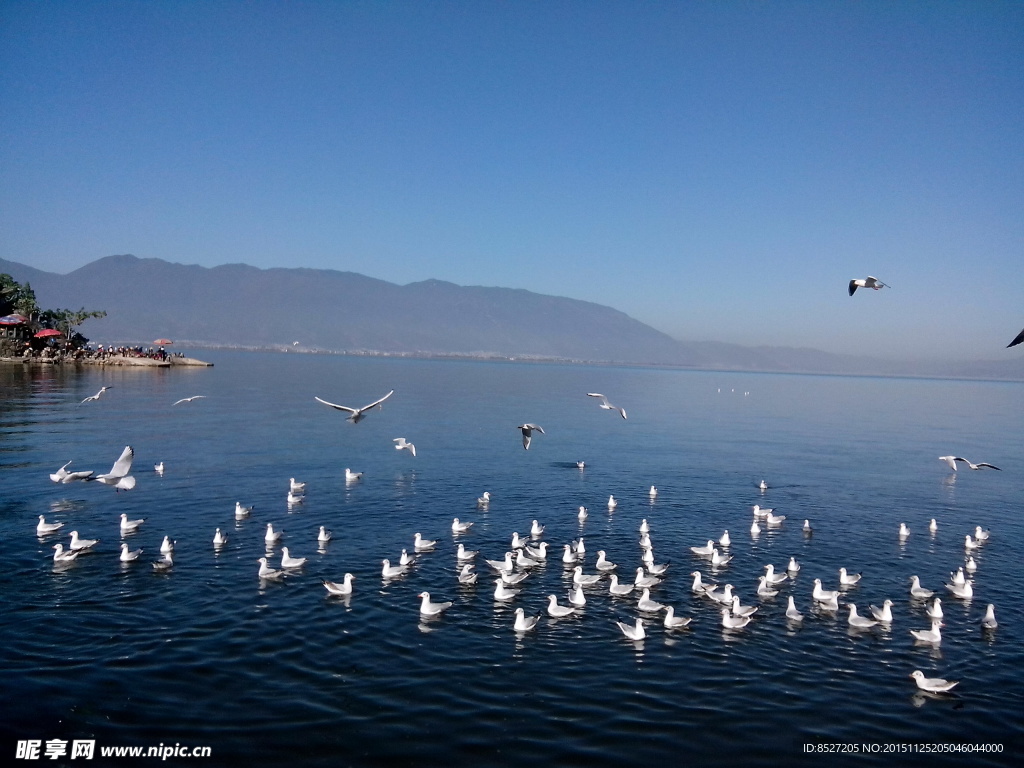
(644, 581)
(296, 487)
(647, 605)
(635, 632)
(219, 539)
(742, 610)
(536, 529)
(78, 544)
(963, 591)
(933, 684)
(733, 622)
(699, 587)
(484, 500)
(791, 612)
(287, 561)
(166, 546)
(460, 527)
(557, 611)
(603, 564)
(932, 635)
(272, 536)
(952, 460)
(294, 498)
(266, 572)
(428, 608)
(675, 622)
(848, 579)
(241, 511)
(351, 477)
(989, 619)
(159, 468)
(823, 595)
(612, 503)
(707, 549)
(501, 592)
(883, 614)
(339, 590)
(390, 571)
(63, 476)
(614, 588)
(356, 414)
(527, 430)
(581, 579)
(916, 590)
(188, 399)
(773, 578)
(95, 397)
(606, 405)
(904, 531)
(324, 536)
(980, 534)
(934, 611)
(401, 443)
(129, 556)
(43, 527)
(857, 621)
(540, 552)
(466, 575)
(118, 475)
(794, 566)
(524, 623)
(576, 596)
(60, 556)
(130, 526)
(866, 282)
(464, 555)
(581, 515)
(725, 540)
(422, 545)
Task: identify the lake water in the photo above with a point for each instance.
(279, 673)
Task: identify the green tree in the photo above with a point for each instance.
(15, 297)
(67, 321)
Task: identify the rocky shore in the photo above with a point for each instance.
(114, 360)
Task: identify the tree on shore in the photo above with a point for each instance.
(21, 299)
(67, 321)
(17, 298)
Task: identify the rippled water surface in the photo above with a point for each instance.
(279, 673)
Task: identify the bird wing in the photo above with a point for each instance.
(853, 287)
(335, 405)
(371, 405)
(985, 464)
(1016, 340)
(123, 464)
(526, 439)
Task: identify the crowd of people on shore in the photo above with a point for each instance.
(60, 352)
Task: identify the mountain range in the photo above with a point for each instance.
(237, 305)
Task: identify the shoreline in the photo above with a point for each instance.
(136, 362)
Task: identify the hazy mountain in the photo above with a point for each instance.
(239, 305)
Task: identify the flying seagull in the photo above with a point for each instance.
(118, 475)
(356, 414)
(187, 399)
(867, 282)
(63, 476)
(528, 433)
(952, 460)
(104, 389)
(606, 405)
(1016, 340)
(401, 442)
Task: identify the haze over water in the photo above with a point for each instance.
(279, 673)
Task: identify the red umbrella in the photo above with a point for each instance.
(47, 332)
(163, 342)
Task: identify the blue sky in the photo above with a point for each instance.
(719, 170)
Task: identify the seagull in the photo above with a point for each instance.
(774, 519)
(807, 526)
(525, 562)
(126, 556)
(823, 595)
(536, 529)
(579, 548)
(904, 531)
(647, 605)
(980, 535)
(606, 405)
(484, 500)
(517, 543)
(707, 549)
(760, 511)
(674, 622)
(464, 555)
(952, 460)
(755, 529)
(356, 414)
(916, 590)
(466, 575)
(351, 477)
(95, 397)
(60, 556)
(219, 539)
(645, 541)
(733, 622)
(527, 430)
(644, 581)
(511, 578)
(405, 559)
(964, 591)
(970, 543)
(725, 541)
(653, 492)
(883, 614)
(773, 578)
(188, 399)
(632, 632)
(763, 485)
(612, 503)
(742, 610)
(581, 465)
(848, 579)
(339, 590)
(43, 527)
(933, 684)
(581, 579)
(764, 589)
(130, 526)
(576, 596)
(266, 572)
(324, 536)
(501, 592)
(159, 468)
(118, 475)
(523, 622)
(294, 498)
(167, 562)
(459, 527)
(717, 558)
(932, 635)
(866, 282)
(581, 515)
(241, 511)
(78, 544)
(422, 545)
(958, 578)
(296, 487)
(933, 526)
(700, 587)
(603, 564)
(63, 476)
(540, 552)
(791, 612)
(829, 605)
(166, 546)
(934, 612)
(971, 565)
(793, 566)
(557, 611)
(644, 527)
(401, 442)
(507, 564)
(272, 536)
(390, 571)
(1016, 340)
(989, 619)
(287, 561)
(649, 564)
(857, 621)
(614, 588)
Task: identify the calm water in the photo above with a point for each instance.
(281, 674)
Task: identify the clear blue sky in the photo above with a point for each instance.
(719, 170)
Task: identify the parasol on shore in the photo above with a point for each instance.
(47, 333)
(163, 342)
(13, 320)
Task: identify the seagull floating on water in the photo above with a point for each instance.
(43, 527)
(742, 610)
(581, 579)
(653, 492)
(272, 536)
(791, 612)
(603, 564)
(773, 578)
(484, 500)
(351, 477)
(760, 511)
(635, 632)
(823, 595)
(219, 539)
(733, 622)
(644, 581)
(614, 588)
(536, 529)
(858, 621)
(647, 605)
(422, 545)
(848, 579)
(287, 561)
(933, 684)
(356, 414)
(904, 531)
(166, 546)
(706, 550)
(390, 571)
(934, 611)
(129, 556)
(933, 526)
(524, 623)
(241, 511)
(971, 566)
(581, 515)
(916, 590)
(672, 621)
(130, 526)
(501, 592)
(339, 590)
(266, 572)
(463, 555)
(980, 535)
(540, 552)
(159, 468)
(527, 430)
(428, 608)
(296, 487)
(93, 398)
(323, 536)
(725, 541)
(962, 591)
(883, 614)
(988, 621)
(401, 443)
(557, 611)
(576, 596)
(78, 544)
(612, 503)
(460, 527)
(933, 635)
(604, 404)
(866, 282)
(60, 556)
(794, 566)
(466, 575)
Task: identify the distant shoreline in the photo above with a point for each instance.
(133, 362)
